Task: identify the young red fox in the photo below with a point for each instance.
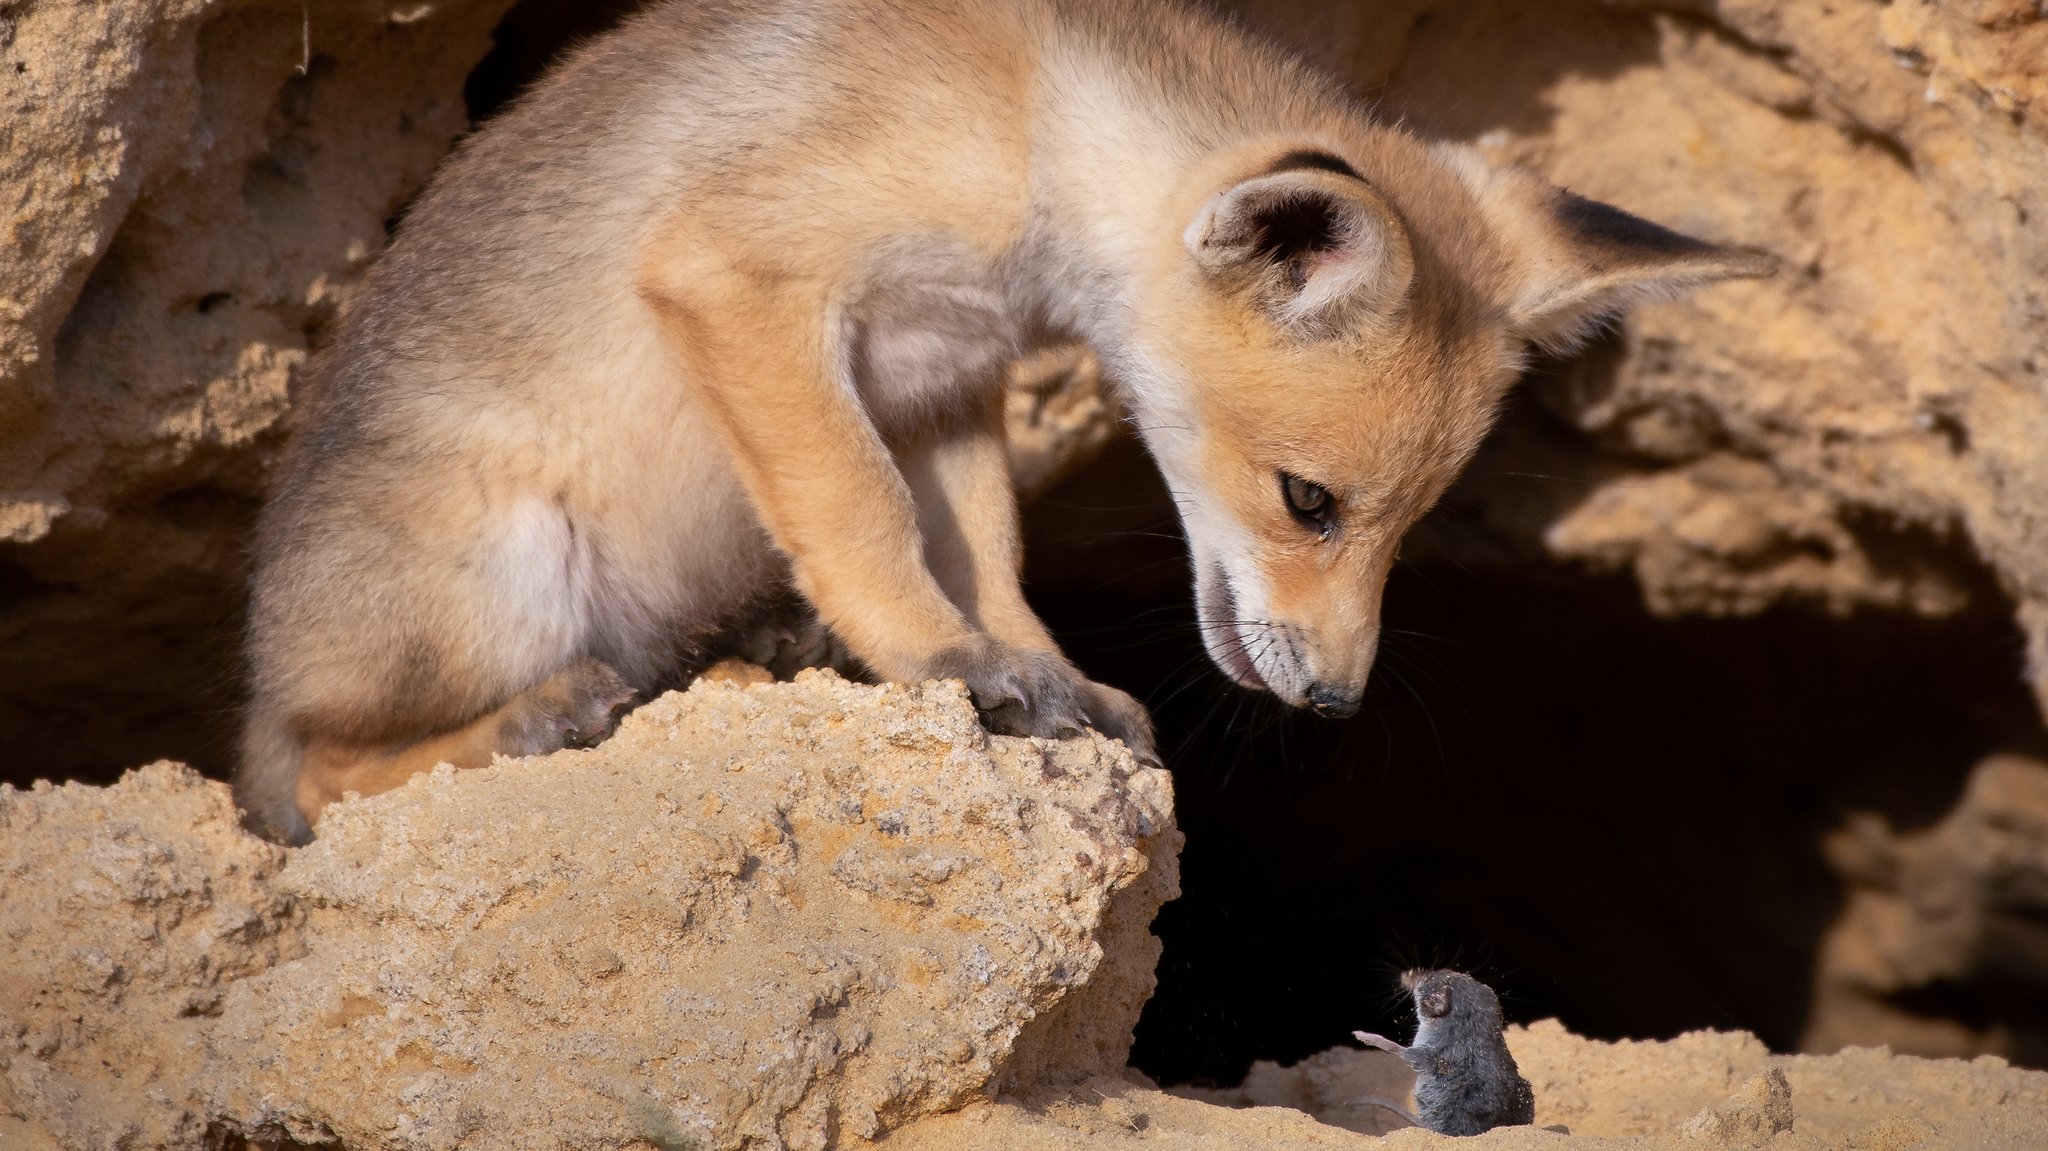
(724, 306)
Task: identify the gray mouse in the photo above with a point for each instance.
(1466, 1082)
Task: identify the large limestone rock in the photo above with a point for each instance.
(189, 186)
(758, 916)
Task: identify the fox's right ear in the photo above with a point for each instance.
(1576, 262)
(1314, 244)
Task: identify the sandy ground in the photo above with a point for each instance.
(1705, 1089)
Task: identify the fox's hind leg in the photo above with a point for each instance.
(575, 707)
(288, 778)
(374, 658)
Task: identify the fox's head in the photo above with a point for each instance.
(1320, 350)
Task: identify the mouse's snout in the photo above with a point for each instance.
(1411, 977)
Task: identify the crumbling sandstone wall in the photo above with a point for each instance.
(1952, 909)
(762, 916)
(190, 186)
(187, 189)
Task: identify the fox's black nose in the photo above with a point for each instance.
(1332, 702)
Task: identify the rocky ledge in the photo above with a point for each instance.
(759, 916)
(805, 915)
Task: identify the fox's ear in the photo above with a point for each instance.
(1314, 244)
(1577, 262)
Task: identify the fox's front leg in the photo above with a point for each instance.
(768, 364)
(967, 511)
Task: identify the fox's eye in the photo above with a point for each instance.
(1308, 500)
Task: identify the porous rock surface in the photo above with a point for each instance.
(1957, 904)
(760, 916)
(188, 184)
(126, 915)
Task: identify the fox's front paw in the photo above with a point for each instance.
(576, 707)
(1021, 691)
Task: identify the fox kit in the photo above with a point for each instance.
(724, 305)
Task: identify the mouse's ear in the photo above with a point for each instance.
(1576, 262)
(1436, 1002)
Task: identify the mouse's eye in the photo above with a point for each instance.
(1310, 502)
(1436, 1004)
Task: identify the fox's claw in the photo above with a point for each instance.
(1117, 715)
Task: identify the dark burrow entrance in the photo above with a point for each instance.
(1614, 818)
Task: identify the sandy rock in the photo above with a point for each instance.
(126, 915)
(191, 182)
(1759, 1111)
(1953, 905)
(1112, 1113)
(1728, 1080)
(1715, 1089)
(761, 916)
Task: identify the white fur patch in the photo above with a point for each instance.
(539, 578)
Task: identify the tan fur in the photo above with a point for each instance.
(725, 305)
